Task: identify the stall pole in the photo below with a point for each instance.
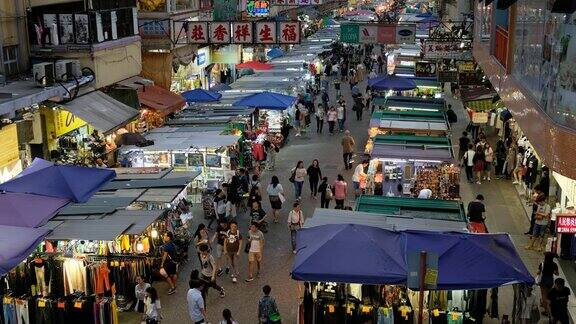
(422, 286)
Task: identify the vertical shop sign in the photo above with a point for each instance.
(405, 34)
(197, 32)
(265, 32)
(349, 33)
(258, 8)
(368, 34)
(242, 33)
(387, 34)
(220, 32)
(9, 143)
(65, 122)
(289, 32)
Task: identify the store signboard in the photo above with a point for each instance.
(197, 32)
(65, 122)
(377, 34)
(466, 67)
(368, 34)
(245, 32)
(425, 69)
(452, 50)
(201, 59)
(480, 118)
(242, 33)
(447, 76)
(296, 2)
(350, 33)
(258, 8)
(265, 33)
(220, 32)
(9, 143)
(566, 224)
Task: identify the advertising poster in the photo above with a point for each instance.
(66, 28)
(258, 8)
(81, 27)
(368, 34)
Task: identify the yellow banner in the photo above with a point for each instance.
(9, 144)
(65, 122)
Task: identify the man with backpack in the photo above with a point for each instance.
(267, 308)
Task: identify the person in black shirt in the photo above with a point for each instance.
(451, 115)
(558, 302)
(169, 262)
(463, 145)
(219, 237)
(314, 175)
(476, 210)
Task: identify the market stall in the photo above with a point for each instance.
(405, 125)
(411, 163)
(415, 115)
(356, 273)
(409, 103)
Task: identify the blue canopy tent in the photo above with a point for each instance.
(201, 95)
(16, 244)
(372, 257)
(350, 253)
(220, 87)
(26, 210)
(388, 82)
(274, 53)
(62, 181)
(266, 100)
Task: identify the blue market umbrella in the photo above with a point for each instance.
(275, 52)
(201, 95)
(220, 87)
(266, 100)
(391, 83)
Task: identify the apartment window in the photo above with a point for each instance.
(10, 59)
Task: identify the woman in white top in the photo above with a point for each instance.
(320, 114)
(489, 159)
(299, 173)
(227, 315)
(295, 222)
(152, 306)
(140, 292)
(275, 194)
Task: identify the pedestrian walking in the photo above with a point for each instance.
(271, 152)
(195, 302)
(488, 161)
(169, 262)
(227, 317)
(276, 197)
(340, 110)
(479, 161)
(530, 313)
(476, 210)
(547, 269)
(320, 114)
(358, 108)
(295, 223)
(451, 115)
(152, 306)
(267, 308)
(219, 236)
(219, 205)
(297, 178)
(468, 162)
(232, 244)
(358, 176)
(325, 98)
(298, 119)
(558, 297)
(541, 219)
(255, 193)
(255, 251)
(325, 193)
(208, 271)
(463, 142)
(314, 176)
(201, 237)
(332, 117)
(348, 147)
(140, 293)
(258, 216)
(340, 191)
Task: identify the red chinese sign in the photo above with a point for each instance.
(566, 224)
(220, 33)
(265, 33)
(289, 32)
(197, 32)
(242, 33)
(387, 34)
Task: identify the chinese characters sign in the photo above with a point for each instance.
(258, 8)
(425, 69)
(296, 2)
(566, 224)
(246, 32)
(377, 34)
(457, 50)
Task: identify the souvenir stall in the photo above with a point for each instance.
(406, 103)
(405, 114)
(388, 292)
(411, 163)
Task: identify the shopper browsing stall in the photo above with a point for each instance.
(359, 176)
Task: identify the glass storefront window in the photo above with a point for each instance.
(544, 57)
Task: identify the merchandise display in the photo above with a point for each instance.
(443, 180)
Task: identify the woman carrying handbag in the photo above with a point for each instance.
(295, 222)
